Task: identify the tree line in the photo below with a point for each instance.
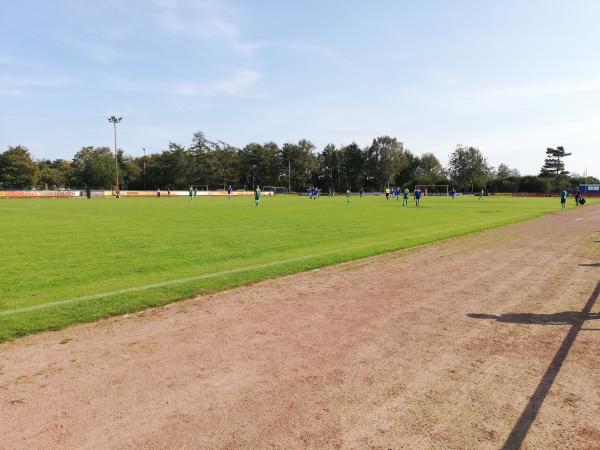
(385, 162)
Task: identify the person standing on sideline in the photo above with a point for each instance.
(405, 197)
(387, 193)
(257, 195)
(168, 192)
(361, 192)
(563, 199)
(229, 192)
(481, 194)
(417, 196)
(190, 193)
(347, 196)
(577, 198)
(158, 192)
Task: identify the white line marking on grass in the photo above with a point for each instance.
(154, 285)
(228, 272)
(181, 280)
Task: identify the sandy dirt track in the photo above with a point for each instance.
(486, 341)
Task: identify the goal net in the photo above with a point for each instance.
(434, 189)
(275, 189)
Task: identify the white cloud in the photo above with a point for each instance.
(213, 22)
(241, 83)
(203, 20)
(324, 53)
(454, 97)
(542, 89)
(12, 86)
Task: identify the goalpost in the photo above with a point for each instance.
(434, 189)
(275, 189)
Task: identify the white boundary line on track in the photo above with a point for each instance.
(144, 287)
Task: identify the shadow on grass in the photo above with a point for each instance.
(576, 319)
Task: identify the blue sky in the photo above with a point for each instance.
(510, 77)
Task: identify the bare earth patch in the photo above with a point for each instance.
(485, 341)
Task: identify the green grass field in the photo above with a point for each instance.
(68, 261)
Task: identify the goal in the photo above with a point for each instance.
(434, 189)
(275, 189)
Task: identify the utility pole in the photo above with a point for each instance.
(290, 171)
(115, 120)
(144, 150)
(253, 170)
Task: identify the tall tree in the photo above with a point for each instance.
(175, 168)
(198, 164)
(468, 167)
(301, 161)
(17, 169)
(354, 161)
(384, 159)
(426, 170)
(553, 164)
(94, 168)
(259, 165)
(131, 172)
(54, 174)
(505, 172)
(430, 165)
(223, 165)
(329, 161)
(409, 171)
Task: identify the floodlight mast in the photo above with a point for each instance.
(115, 120)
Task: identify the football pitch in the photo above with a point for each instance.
(69, 261)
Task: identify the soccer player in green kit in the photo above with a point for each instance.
(191, 193)
(347, 196)
(257, 195)
(405, 195)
